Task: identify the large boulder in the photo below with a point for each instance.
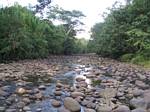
(72, 104)
(122, 108)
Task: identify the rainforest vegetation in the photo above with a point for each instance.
(124, 34)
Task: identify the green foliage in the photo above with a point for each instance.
(23, 35)
(125, 31)
(137, 59)
(127, 57)
(70, 20)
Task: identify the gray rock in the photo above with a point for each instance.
(89, 110)
(42, 87)
(139, 110)
(63, 109)
(138, 102)
(122, 108)
(104, 109)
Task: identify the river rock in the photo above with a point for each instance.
(122, 108)
(138, 102)
(58, 93)
(21, 91)
(139, 110)
(63, 109)
(71, 104)
(79, 79)
(42, 87)
(56, 103)
(141, 84)
(76, 94)
(104, 109)
(89, 110)
(138, 92)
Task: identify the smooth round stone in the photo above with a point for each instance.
(56, 103)
(72, 104)
(38, 110)
(58, 93)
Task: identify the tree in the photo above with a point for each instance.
(70, 21)
(124, 31)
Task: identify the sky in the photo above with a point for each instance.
(93, 9)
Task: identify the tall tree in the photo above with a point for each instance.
(70, 21)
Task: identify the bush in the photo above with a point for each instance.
(126, 57)
(138, 59)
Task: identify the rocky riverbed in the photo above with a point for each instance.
(73, 84)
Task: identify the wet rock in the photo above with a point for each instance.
(38, 110)
(71, 104)
(26, 108)
(122, 108)
(56, 103)
(42, 87)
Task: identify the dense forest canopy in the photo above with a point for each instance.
(125, 33)
(23, 35)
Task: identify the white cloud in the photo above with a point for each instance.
(91, 8)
